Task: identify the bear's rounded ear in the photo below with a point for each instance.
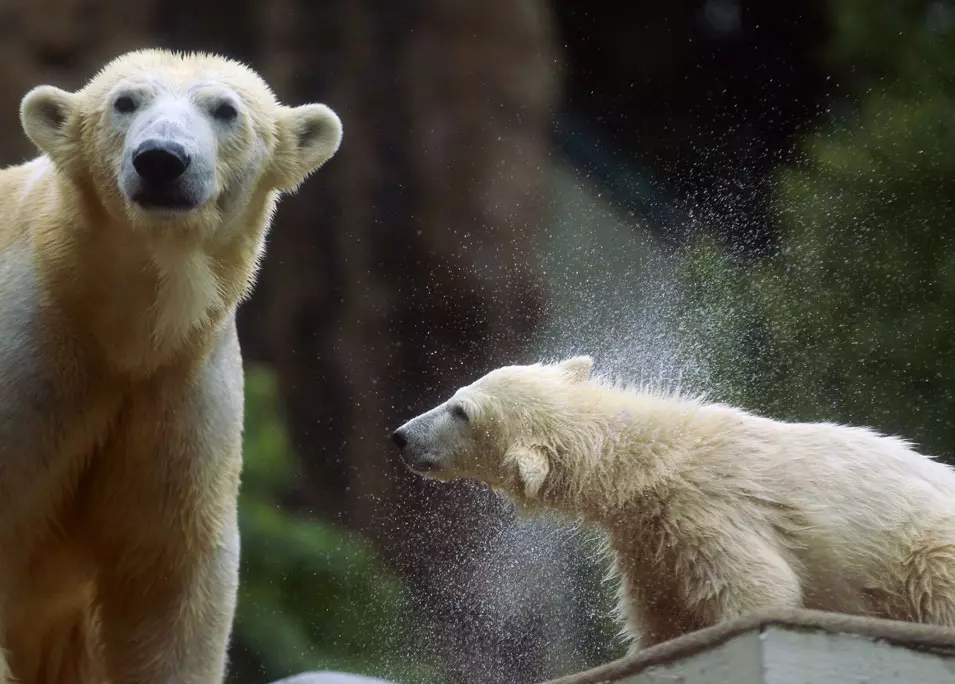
(308, 137)
(532, 465)
(578, 368)
(45, 114)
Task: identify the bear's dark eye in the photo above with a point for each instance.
(125, 104)
(225, 112)
(458, 412)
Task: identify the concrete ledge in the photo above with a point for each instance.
(782, 647)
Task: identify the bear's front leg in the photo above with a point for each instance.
(169, 621)
(164, 498)
(725, 572)
(702, 575)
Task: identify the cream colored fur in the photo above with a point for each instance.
(710, 512)
(121, 388)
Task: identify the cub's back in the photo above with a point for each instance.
(827, 486)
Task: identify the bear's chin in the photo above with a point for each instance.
(200, 218)
(434, 472)
(165, 202)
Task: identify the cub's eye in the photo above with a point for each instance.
(459, 413)
(225, 112)
(125, 104)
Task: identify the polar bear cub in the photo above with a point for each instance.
(710, 511)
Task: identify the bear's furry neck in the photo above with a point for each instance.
(618, 449)
(136, 299)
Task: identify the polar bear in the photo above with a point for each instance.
(125, 249)
(710, 512)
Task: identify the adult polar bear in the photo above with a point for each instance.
(124, 251)
(711, 512)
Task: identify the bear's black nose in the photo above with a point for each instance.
(398, 437)
(160, 161)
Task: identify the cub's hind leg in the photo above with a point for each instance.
(927, 575)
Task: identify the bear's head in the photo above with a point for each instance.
(167, 140)
(507, 429)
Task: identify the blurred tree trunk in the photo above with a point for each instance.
(60, 42)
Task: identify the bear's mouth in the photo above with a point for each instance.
(421, 464)
(165, 199)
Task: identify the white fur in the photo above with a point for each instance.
(39, 167)
(186, 294)
(710, 511)
(121, 384)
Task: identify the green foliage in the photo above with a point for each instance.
(905, 45)
(854, 318)
(311, 596)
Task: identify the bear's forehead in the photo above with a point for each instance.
(180, 71)
(511, 379)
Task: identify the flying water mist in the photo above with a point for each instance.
(612, 295)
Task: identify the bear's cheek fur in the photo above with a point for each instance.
(96, 179)
(446, 449)
(481, 457)
(454, 452)
(102, 162)
(241, 163)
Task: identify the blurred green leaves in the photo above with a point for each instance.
(311, 596)
(905, 45)
(853, 319)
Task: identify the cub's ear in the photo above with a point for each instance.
(578, 368)
(308, 136)
(46, 114)
(533, 466)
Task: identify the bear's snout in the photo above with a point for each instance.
(412, 452)
(166, 175)
(160, 162)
